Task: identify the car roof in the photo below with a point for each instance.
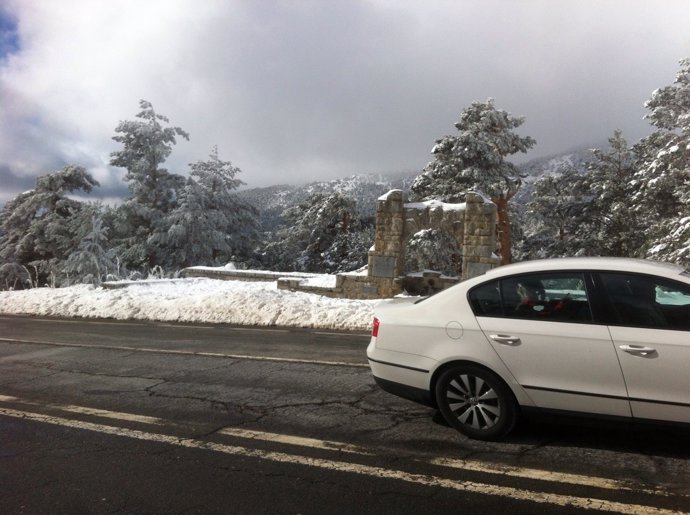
(642, 266)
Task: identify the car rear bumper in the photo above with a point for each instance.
(410, 393)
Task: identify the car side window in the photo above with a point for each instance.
(558, 297)
(651, 302)
(549, 296)
(486, 300)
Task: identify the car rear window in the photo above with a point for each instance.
(486, 300)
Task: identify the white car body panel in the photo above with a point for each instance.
(661, 377)
(550, 367)
(400, 367)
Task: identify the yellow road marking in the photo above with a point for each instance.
(354, 468)
(295, 440)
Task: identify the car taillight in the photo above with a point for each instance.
(375, 330)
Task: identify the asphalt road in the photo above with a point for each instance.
(127, 417)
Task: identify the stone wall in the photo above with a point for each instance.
(472, 224)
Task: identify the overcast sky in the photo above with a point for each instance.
(293, 91)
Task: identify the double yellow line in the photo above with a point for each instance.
(344, 466)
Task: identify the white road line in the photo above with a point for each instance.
(250, 329)
(95, 322)
(544, 475)
(474, 466)
(354, 468)
(330, 445)
(333, 333)
(295, 440)
(186, 326)
(116, 415)
(191, 353)
(285, 360)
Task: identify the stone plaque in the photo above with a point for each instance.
(383, 266)
(370, 289)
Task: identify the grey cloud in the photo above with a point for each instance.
(294, 91)
(11, 184)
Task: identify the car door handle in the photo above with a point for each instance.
(637, 350)
(505, 339)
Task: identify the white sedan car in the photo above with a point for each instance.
(602, 336)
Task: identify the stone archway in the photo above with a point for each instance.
(472, 224)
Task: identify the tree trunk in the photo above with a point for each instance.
(504, 237)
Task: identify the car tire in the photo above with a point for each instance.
(476, 402)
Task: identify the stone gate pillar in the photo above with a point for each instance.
(386, 256)
(479, 239)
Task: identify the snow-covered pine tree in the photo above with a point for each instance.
(210, 225)
(318, 236)
(608, 224)
(92, 261)
(552, 225)
(663, 179)
(337, 215)
(37, 225)
(432, 249)
(474, 159)
(349, 250)
(146, 143)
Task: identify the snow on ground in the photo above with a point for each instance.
(195, 300)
